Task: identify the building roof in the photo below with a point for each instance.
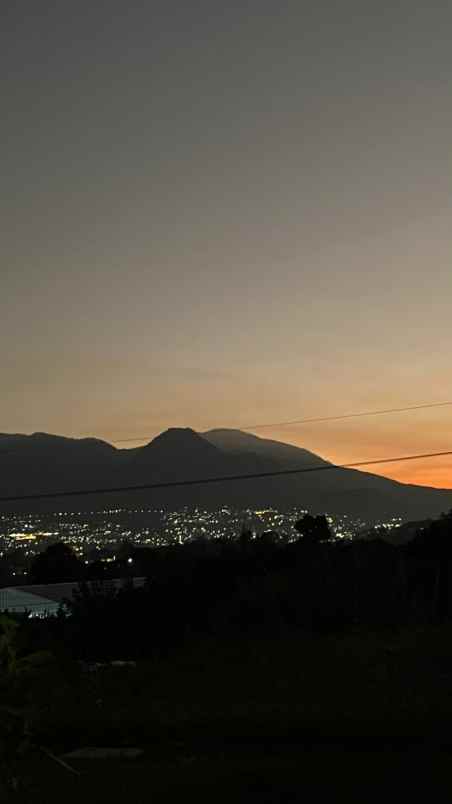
(46, 598)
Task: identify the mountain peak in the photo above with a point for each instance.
(179, 436)
(180, 440)
(177, 451)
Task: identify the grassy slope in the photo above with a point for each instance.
(248, 715)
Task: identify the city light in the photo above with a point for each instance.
(99, 535)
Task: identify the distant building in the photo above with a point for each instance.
(43, 600)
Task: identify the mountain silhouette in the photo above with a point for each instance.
(168, 447)
(43, 463)
(239, 442)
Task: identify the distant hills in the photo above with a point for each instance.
(43, 463)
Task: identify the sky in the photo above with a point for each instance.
(217, 215)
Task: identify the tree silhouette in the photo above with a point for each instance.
(434, 541)
(58, 563)
(434, 544)
(313, 529)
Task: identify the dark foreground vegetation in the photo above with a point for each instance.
(252, 667)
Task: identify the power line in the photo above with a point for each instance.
(350, 415)
(221, 479)
(312, 420)
(316, 419)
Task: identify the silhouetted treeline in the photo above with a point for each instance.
(258, 585)
(249, 585)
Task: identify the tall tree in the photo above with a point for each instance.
(58, 563)
(313, 529)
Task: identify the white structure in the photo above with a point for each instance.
(16, 599)
(43, 600)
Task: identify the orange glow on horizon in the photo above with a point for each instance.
(349, 445)
(353, 441)
(422, 475)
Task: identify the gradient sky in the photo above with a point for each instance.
(221, 214)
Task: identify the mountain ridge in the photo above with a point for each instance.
(43, 463)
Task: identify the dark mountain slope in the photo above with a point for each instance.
(346, 491)
(43, 463)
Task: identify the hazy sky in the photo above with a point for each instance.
(222, 214)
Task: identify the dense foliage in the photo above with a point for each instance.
(255, 585)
